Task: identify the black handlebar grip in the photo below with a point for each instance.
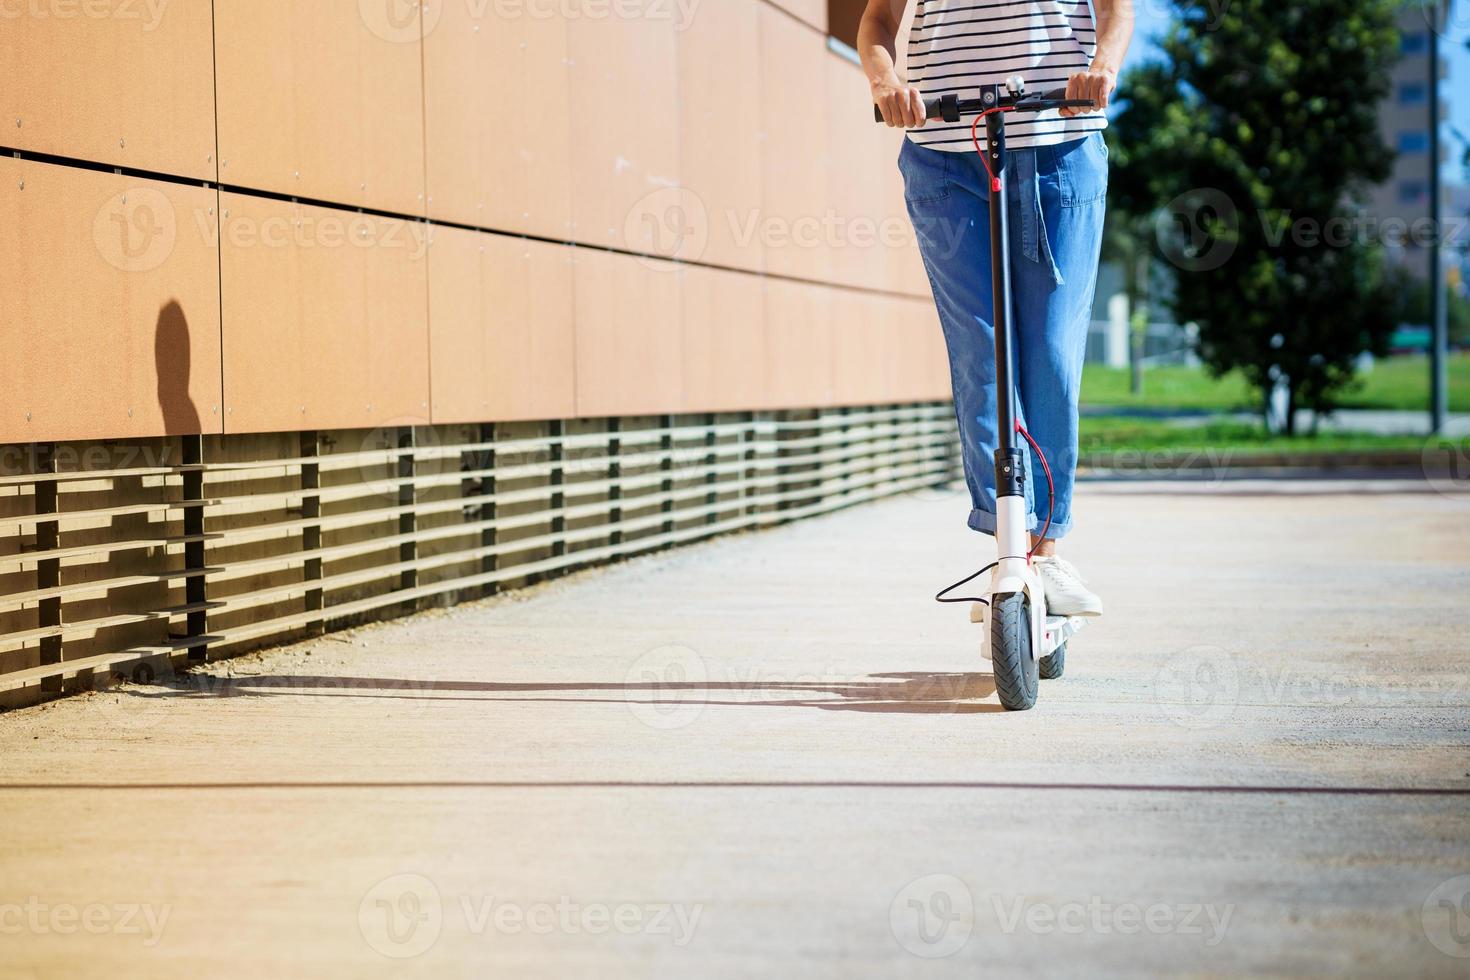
(946, 107)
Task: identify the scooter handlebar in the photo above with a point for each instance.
(951, 107)
(944, 107)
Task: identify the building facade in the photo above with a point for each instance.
(323, 311)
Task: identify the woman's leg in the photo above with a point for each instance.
(948, 202)
(1057, 236)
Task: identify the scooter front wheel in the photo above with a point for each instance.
(1016, 673)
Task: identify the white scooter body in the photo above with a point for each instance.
(1013, 573)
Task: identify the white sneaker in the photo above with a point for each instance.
(1066, 595)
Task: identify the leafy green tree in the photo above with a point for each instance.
(1250, 144)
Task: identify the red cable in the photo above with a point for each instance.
(1051, 490)
(975, 138)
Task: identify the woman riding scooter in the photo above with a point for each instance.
(1058, 166)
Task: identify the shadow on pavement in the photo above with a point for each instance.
(913, 692)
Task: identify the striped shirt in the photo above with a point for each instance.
(958, 45)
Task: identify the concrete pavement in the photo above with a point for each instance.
(775, 755)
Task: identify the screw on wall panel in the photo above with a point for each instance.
(122, 143)
(209, 159)
(130, 413)
(227, 212)
(17, 124)
(125, 199)
(298, 174)
(28, 415)
(22, 185)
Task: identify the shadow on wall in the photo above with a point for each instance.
(171, 363)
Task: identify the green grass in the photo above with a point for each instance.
(1394, 383)
(1403, 382)
(1167, 387)
(1114, 434)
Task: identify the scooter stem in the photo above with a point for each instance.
(1009, 469)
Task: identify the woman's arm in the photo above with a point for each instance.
(1114, 32)
(877, 37)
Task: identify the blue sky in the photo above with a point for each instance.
(1153, 17)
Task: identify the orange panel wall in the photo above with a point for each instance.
(498, 119)
(720, 136)
(630, 348)
(110, 318)
(130, 84)
(723, 135)
(501, 327)
(325, 317)
(625, 108)
(322, 100)
(724, 341)
(794, 144)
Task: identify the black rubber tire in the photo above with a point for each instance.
(1016, 675)
(1051, 666)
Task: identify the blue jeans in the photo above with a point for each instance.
(1056, 196)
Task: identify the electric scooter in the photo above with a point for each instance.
(1024, 643)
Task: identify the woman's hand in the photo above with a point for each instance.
(901, 105)
(1096, 84)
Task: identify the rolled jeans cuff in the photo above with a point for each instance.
(984, 522)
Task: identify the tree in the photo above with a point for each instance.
(1251, 144)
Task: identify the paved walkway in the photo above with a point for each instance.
(772, 755)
